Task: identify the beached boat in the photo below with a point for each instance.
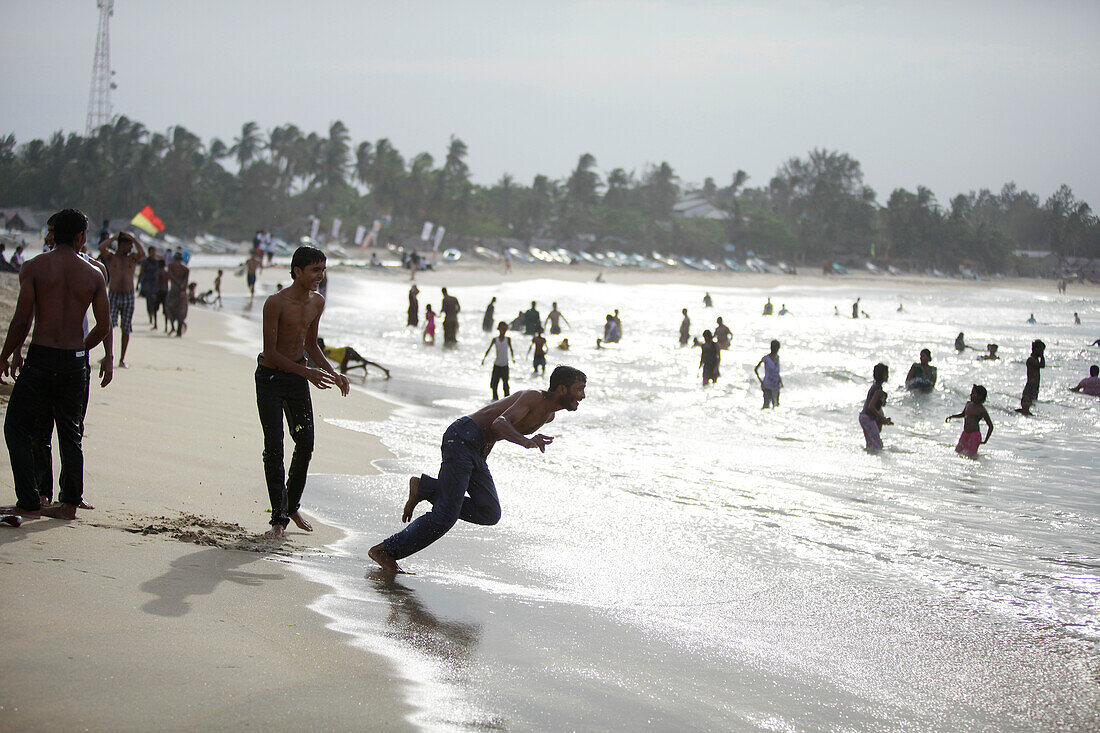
(487, 254)
(518, 254)
(452, 255)
(664, 260)
(733, 265)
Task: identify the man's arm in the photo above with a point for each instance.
(756, 370)
(510, 349)
(105, 245)
(989, 421)
(504, 426)
(1079, 387)
(21, 320)
(139, 251)
(318, 356)
(486, 354)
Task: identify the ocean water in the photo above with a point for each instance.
(679, 559)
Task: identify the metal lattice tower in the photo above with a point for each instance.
(99, 100)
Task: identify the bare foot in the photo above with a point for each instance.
(301, 522)
(276, 532)
(379, 555)
(46, 500)
(19, 511)
(60, 511)
(11, 519)
(407, 512)
(122, 364)
(85, 505)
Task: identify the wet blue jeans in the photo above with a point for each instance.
(52, 388)
(463, 472)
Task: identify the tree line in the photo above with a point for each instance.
(814, 208)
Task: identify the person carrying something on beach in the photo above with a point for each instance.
(450, 308)
(503, 344)
(709, 358)
(414, 306)
(922, 375)
(972, 414)
(685, 328)
(254, 264)
(1034, 363)
(538, 343)
(553, 317)
(723, 335)
(1091, 384)
(772, 382)
(121, 265)
(55, 290)
(487, 319)
(283, 375)
(464, 470)
(871, 418)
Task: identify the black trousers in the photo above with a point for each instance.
(52, 389)
(280, 393)
(500, 374)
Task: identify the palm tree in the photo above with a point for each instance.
(248, 145)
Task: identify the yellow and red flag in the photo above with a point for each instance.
(148, 222)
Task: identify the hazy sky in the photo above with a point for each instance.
(956, 96)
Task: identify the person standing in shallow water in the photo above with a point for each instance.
(414, 306)
(450, 308)
(283, 375)
(709, 358)
(871, 418)
(972, 414)
(771, 382)
(487, 320)
(685, 328)
(503, 345)
(1034, 363)
(464, 488)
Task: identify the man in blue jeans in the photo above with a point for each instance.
(465, 489)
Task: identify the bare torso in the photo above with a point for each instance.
(294, 318)
(541, 412)
(64, 285)
(121, 268)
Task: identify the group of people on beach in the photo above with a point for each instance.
(52, 384)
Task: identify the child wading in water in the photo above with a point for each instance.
(972, 414)
(429, 325)
(283, 376)
(871, 418)
(772, 382)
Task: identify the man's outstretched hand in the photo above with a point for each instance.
(539, 441)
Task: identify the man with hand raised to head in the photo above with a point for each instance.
(466, 445)
(283, 376)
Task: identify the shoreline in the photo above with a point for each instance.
(170, 605)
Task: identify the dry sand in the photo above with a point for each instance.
(161, 609)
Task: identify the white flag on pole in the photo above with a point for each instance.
(438, 238)
(314, 226)
(426, 232)
(360, 232)
(335, 228)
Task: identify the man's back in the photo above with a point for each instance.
(64, 285)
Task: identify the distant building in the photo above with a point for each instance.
(696, 206)
(24, 220)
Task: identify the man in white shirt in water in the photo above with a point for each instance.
(503, 345)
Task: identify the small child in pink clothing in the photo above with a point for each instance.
(429, 325)
(972, 414)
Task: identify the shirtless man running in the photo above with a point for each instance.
(466, 445)
(291, 319)
(55, 290)
(121, 265)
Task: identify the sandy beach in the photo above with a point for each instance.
(160, 609)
